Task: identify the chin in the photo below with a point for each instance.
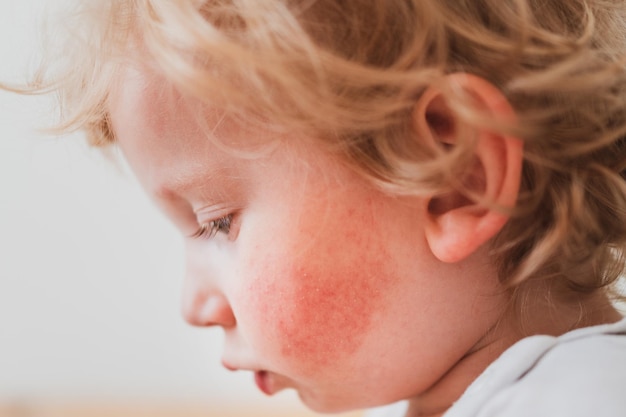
(327, 404)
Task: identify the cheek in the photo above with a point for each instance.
(317, 310)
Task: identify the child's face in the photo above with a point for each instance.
(326, 285)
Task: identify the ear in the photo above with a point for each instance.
(458, 225)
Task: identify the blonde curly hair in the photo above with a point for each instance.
(349, 72)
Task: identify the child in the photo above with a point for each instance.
(383, 200)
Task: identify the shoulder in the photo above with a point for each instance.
(580, 374)
(579, 377)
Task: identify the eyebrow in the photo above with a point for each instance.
(179, 186)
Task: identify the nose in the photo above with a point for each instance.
(206, 309)
(204, 304)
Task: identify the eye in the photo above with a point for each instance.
(210, 229)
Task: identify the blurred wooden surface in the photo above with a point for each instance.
(28, 410)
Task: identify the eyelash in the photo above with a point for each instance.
(210, 229)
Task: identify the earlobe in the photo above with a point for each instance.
(461, 221)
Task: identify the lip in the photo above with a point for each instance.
(263, 380)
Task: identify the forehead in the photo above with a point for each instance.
(171, 140)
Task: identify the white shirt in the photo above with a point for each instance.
(579, 374)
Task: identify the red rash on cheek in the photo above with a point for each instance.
(330, 316)
(318, 308)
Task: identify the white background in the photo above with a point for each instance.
(90, 272)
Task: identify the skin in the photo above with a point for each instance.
(323, 284)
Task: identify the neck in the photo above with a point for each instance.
(544, 317)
